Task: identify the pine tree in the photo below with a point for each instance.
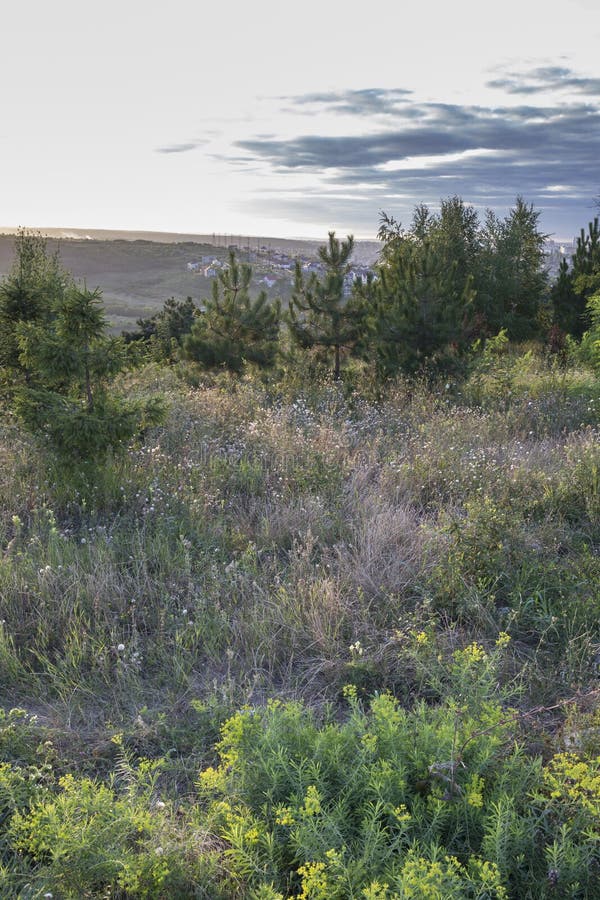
(29, 294)
(70, 401)
(320, 315)
(521, 280)
(586, 261)
(568, 305)
(234, 329)
(585, 276)
(164, 332)
(418, 309)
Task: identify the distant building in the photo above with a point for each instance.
(359, 273)
(554, 253)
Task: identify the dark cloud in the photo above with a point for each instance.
(546, 139)
(487, 154)
(546, 78)
(366, 102)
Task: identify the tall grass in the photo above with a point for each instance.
(287, 540)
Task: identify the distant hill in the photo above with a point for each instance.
(138, 271)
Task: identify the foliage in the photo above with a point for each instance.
(27, 296)
(320, 315)
(576, 284)
(589, 350)
(428, 802)
(58, 363)
(165, 331)
(447, 280)
(436, 800)
(566, 303)
(586, 262)
(84, 838)
(68, 401)
(234, 330)
(511, 279)
(418, 308)
(435, 551)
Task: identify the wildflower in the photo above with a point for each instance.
(369, 742)
(376, 890)
(120, 647)
(349, 692)
(314, 880)
(212, 779)
(475, 792)
(401, 814)
(284, 816)
(312, 801)
(474, 653)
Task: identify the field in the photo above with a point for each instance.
(138, 274)
(302, 642)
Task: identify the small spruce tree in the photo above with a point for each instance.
(69, 400)
(29, 294)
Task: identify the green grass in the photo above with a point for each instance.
(284, 541)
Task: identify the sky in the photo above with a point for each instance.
(293, 119)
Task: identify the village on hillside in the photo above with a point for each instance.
(272, 267)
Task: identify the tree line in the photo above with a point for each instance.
(442, 286)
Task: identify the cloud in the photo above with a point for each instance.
(488, 154)
(545, 79)
(365, 102)
(447, 140)
(182, 148)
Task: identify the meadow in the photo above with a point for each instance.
(309, 640)
(138, 271)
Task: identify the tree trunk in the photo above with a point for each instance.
(88, 384)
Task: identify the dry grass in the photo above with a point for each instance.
(259, 534)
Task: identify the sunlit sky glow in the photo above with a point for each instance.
(292, 119)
